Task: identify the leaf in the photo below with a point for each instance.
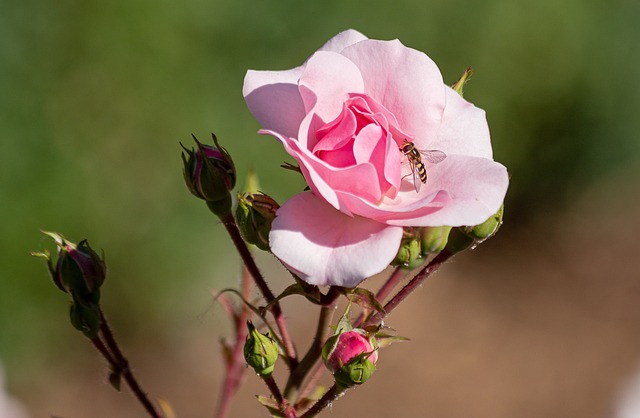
(344, 325)
(167, 409)
(458, 86)
(385, 340)
(305, 402)
(271, 405)
(312, 293)
(260, 312)
(293, 167)
(365, 299)
(115, 380)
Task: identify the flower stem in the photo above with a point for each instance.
(413, 284)
(120, 365)
(307, 362)
(236, 365)
(326, 400)
(393, 280)
(313, 354)
(230, 224)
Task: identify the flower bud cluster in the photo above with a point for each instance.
(80, 272)
(418, 243)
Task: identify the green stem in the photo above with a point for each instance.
(230, 224)
(313, 354)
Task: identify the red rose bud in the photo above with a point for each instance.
(209, 171)
(351, 357)
(260, 351)
(254, 214)
(78, 271)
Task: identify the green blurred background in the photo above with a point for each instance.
(96, 96)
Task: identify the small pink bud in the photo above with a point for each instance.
(351, 357)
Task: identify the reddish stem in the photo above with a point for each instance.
(413, 284)
(121, 365)
(393, 280)
(230, 224)
(236, 364)
(326, 400)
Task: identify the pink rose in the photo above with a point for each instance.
(344, 115)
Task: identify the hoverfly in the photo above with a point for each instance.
(414, 157)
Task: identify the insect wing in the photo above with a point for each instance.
(433, 156)
(416, 176)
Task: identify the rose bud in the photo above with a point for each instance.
(409, 255)
(351, 357)
(434, 238)
(78, 271)
(486, 229)
(260, 351)
(209, 172)
(254, 215)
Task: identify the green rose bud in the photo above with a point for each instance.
(260, 351)
(254, 214)
(488, 228)
(458, 241)
(465, 237)
(85, 317)
(409, 254)
(434, 238)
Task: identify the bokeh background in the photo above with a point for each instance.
(541, 321)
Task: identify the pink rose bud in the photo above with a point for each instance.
(209, 172)
(351, 357)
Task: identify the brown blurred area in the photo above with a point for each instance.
(543, 320)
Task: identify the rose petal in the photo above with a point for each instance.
(325, 180)
(460, 190)
(325, 82)
(405, 81)
(326, 247)
(274, 100)
(343, 40)
(464, 129)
